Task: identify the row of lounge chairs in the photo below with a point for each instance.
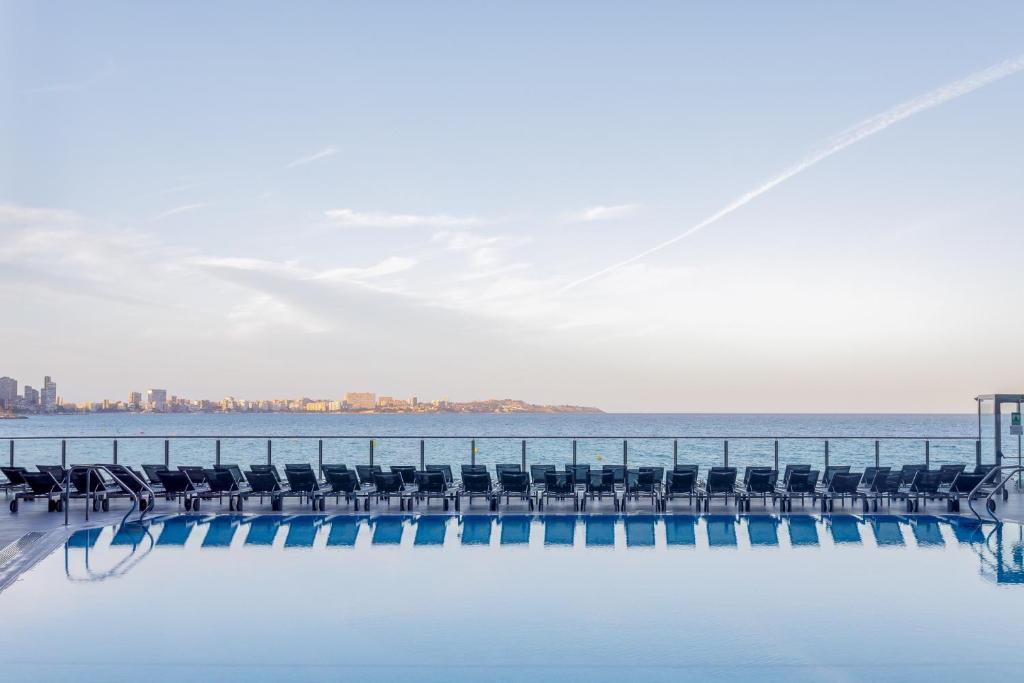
(578, 485)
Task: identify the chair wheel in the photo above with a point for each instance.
(238, 504)
(991, 505)
(188, 503)
(14, 505)
(195, 504)
(231, 504)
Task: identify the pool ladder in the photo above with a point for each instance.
(135, 496)
(990, 505)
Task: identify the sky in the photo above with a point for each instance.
(461, 199)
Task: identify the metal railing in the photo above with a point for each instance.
(990, 506)
(703, 449)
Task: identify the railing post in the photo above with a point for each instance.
(472, 451)
(12, 453)
(675, 453)
(320, 459)
(927, 455)
(524, 455)
(217, 454)
(776, 455)
(270, 451)
(726, 453)
(167, 453)
(625, 457)
(573, 451)
(877, 460)
(423, 454)
(977, 452)
(115, 451)
(826, 455)
(371, 452)
(63, 453)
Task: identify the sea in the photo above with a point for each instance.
(738, 439)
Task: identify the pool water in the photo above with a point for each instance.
(530, 598)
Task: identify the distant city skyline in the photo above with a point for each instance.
(776, 207)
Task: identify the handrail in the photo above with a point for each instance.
(638, 437)
(89, 469)
(1014, 469)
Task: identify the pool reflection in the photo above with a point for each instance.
(1002, 556)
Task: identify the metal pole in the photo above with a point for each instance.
(977, 452)
(927, 454)
(675, 453)
(776, 455)
(371, 452)
(625, 457)
(115, 451)
(524, 455)
(12, 452)
(726, 447)
(573, 451)
(472, 451)
(320, 459)
(217, 455)
(422, 455)
(88, 492)
(876, 454)
(826, 455)
(63, 453)
(270, 450)
(167, 453)
(67, 496)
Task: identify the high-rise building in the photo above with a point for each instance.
(31, 397)
(135, 400)
(8, 392)
(358, 400)
(48, 396)
(156, 400)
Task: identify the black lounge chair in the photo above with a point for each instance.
(39, 485)
(580, 474)
(948, 473)
(446, 470)
(365, 473)
(388, 485)
(344, 482)
(472, 469)
(180, 487)
(887, 486)
(925, 485)
(842, 486)
(659, 476)
(867, 481)
(58, 472)
(263, 483)
(537, 474)
(764, 483)
(679, 483)
(801, 484)
(475, 485)
(433, 485)
(94, 485)
(789, 470)
(961, 489)
(600, 484)
(220, 483)
(514, 484)
(908, 473)
(560, 486)
(619, 471)
(501, 468)
(195, 472)
(270, 469)
(133, 484)
(831, 471)
(15, 480)
(235, 471)
(407, 473)
(640, 482)
(721, 483)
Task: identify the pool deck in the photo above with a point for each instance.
(33, 517)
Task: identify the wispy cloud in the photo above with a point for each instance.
(850, 136)
(328, 151)
(184, 208)
(602, 213)
(379, 219)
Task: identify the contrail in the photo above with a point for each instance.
(850, 136)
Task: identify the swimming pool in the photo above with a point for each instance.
(516, 597)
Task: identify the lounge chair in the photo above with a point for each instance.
(407, 473)
(801, 484)
(387, 485)
(580, 474)
(265, 484)
(868, 478)
(764, 483)
(537, 474)
(220, 483)
(516, 484)
(446, 470)
(195, 472)
(344, 483)
(831, 471)
(93, 485)
(721, 483)
(433, 485)
(58, 472)
(14, 477)
(600, 484)
(39, 485)
(789, 470)
(948, 473)
(842, 486)
(961, 489)
(365, 473)
(560, 486)
(659, 476)
(303, 484)
(640, 482)
(475, 485)
(679, 484)
(501, 468)
(179, 486)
